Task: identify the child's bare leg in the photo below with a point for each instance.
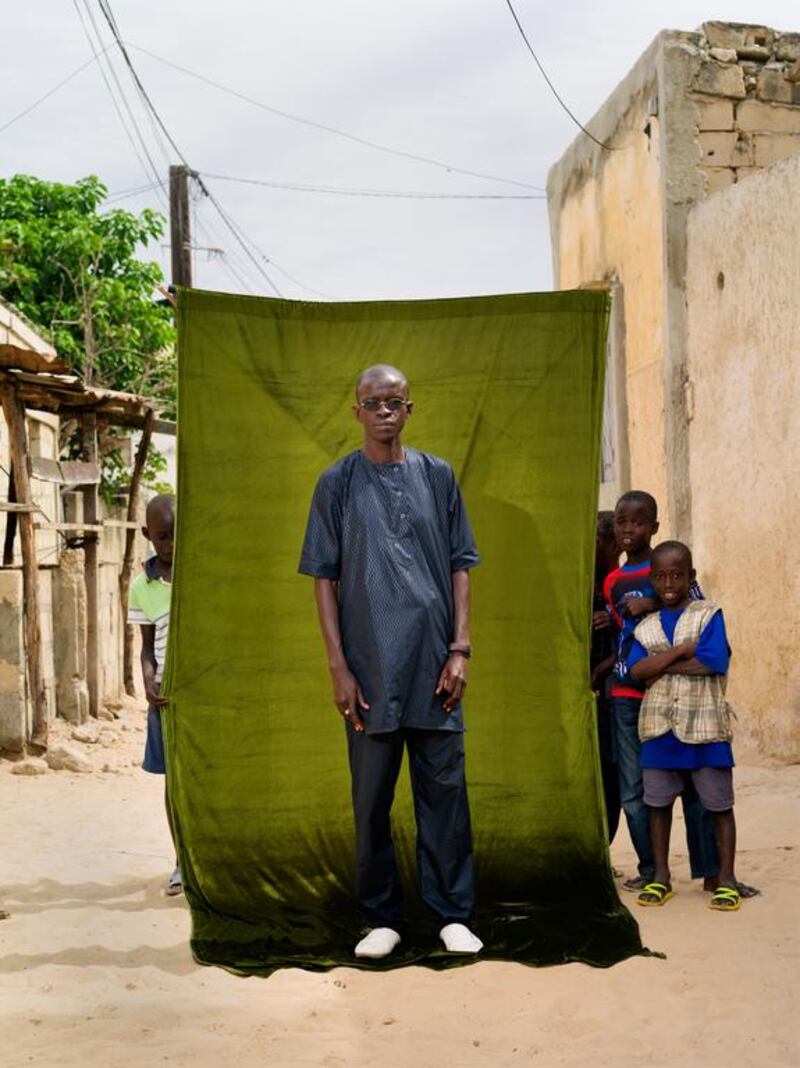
(660, 830)
(725, 830)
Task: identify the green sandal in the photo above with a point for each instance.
(658, 893)
(725, 899)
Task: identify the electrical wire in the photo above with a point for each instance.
(552, 88)
(138, 190)
(449, 167)
(143, 157)
(55, 89)
(229, 263)
(107, 13)
(299, 187)
(235, 267)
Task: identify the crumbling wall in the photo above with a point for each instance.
(744, 378)
(699, 112)
(746, 93)
(606, 225)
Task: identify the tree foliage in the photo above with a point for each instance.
(74, 272)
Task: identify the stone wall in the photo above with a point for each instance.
(747, 98)
(700, 111)
(744, 376)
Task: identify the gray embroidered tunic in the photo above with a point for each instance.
(391, 535)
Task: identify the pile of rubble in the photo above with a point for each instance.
(111, 744)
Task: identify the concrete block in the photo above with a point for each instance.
(793, 73)
(721, 149)
(13, 704)
(714, 114)
(69, 638)
(88, 734)
(755, 116)
(31, 766)
(755, 53)
(718, 178)
(772, 85)
(719, 79)
(723, 34)
(723, 55)
(64, 757)
(769, 148)
(787, 47)
(759, 36)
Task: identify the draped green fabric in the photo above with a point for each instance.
(509, 390)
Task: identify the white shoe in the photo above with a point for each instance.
(378, 943)
(459, 939)
(175, 884)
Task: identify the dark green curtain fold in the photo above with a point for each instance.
(509, 390)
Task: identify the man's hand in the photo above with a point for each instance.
(601, 620)
(348, 696)
(688, 649)
(155, 697)
(453, 680)
(638, 606)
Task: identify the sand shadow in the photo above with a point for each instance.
(46, 894)
(176, 960)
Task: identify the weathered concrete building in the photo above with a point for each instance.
(687, 211)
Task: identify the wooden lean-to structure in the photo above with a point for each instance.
(33, 377)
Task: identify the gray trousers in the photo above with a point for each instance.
(444, 835)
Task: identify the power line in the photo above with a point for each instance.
(552, 88)
(108, 15)
(55, 89)
(300, 187)
(228, 261)
(123, 194)
(449, 167)
(240, 240)
(143, 159)
(121, 91)
(105, 8)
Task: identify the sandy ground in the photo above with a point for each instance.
(95, 966)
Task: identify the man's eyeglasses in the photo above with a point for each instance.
(393, 404)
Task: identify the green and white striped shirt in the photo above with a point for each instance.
(148, 604)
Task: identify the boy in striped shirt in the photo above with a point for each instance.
(148, 606)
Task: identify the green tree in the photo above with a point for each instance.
(74, 272)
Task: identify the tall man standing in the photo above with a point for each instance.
(389, 546)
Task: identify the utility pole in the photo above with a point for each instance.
(179, 225)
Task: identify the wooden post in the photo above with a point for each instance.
(180, 235)
(91, 567)
(127, 563)
(14, 411)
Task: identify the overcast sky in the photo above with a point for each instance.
(447, 79)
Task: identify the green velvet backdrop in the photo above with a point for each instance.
(509, 390)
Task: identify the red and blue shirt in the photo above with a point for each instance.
(629, 580)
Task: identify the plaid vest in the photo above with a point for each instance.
(693, 707)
